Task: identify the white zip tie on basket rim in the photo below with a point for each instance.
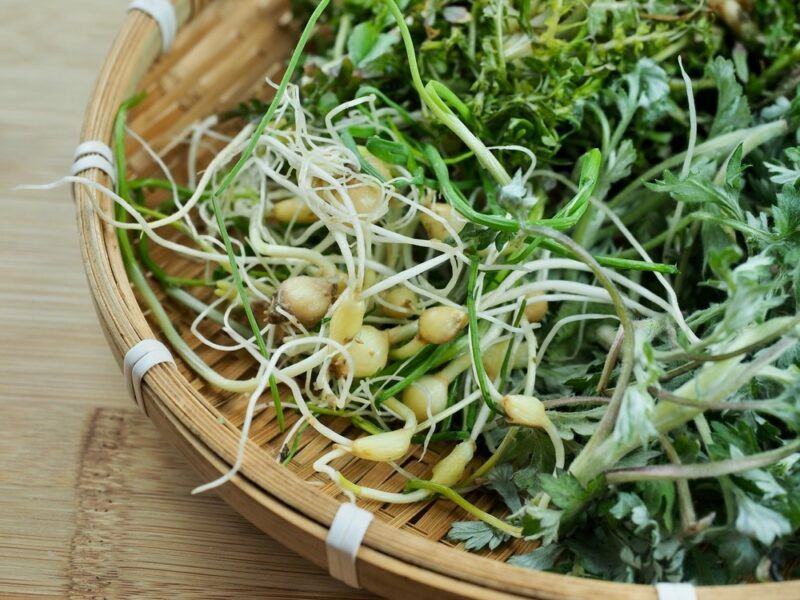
(163, 13)
(344, 539)
(138, 361)
(676, 591)
(94, 155)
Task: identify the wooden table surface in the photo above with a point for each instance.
(93, 503)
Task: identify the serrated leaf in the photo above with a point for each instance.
(787, 211)
(620, 163)
(759, 522)
(733, 111)
(476, 535)
(501, 480)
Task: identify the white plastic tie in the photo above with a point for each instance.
(343, 541)
(138, 361)
(163, 13)
(676, 591)
(94, 155)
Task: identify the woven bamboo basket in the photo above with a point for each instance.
(222, 53)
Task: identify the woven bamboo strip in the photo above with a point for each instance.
(218, 59)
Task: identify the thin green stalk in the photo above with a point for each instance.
(139, 281)
(160, 274)
(431, 98)
(441, 436)
(456, 498)
(756, 405)
(574, 401)
(493, 460)
(163, 184)
(474, 336)
(365, 425)
(295, 444)
(509, 349)
(613, 262)
(452, 393)
(703, 470)
(457, 199)
(685, 504)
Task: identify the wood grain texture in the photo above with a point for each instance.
(93, 501)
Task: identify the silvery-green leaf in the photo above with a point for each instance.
(758, 521)
(541, 559)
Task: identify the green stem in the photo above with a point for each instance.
(440, 354)
(613, 262)
(456, 498)
(198, 306)
(757, 405)
(474, 336)
(685, 504)
(703, 470)
(495, 458)
(160, 274)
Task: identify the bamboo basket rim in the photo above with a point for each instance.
(263, 491)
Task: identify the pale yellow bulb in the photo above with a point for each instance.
(346, 320)
(382, 447)
(403, 303)
(525, 410)
(427, 393)
(440, 324)
(305, 298)
(369, 350)
(435, 228)
(535, 310)
(450, 469)
(293, 210)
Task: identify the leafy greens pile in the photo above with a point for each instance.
(700, 164)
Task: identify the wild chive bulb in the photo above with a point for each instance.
(369, 351)
(524, 410)
(347, 319)
(305, 298)
(535, 310)
(435, 228)
(450, 469)
(293, 210)
(403, 302)
(367, 197)
(441, 324)
(529, 411)
(427, 393)
(382, 447)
